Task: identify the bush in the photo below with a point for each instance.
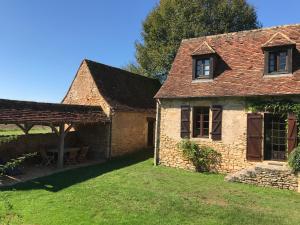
(13, 163)
(294, 159)
(204, 158)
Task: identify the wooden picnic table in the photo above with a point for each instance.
(66, 150)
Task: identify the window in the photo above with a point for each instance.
(203, 67)
(201, 122)
(278, 61)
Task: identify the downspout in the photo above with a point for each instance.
(157, 132)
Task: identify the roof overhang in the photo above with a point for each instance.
(12, 112)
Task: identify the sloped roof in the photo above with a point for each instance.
(278, 39)
(203, 49)
(124, 90)
(12, 111)
(239, 68)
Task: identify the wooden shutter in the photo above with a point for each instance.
(292, 132)
(290, 60)
(254, 136)
(266, 66)
(216, 133)
(185, 122)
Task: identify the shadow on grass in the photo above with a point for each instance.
(60, 181)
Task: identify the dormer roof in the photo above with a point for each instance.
(239, 70)
(203, 49)
(278, 39)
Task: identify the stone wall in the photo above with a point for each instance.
(233, 143)
(33, 143)
(84, 91)
(267, 175)
(96, 136)
(129, 129)
(129, 132)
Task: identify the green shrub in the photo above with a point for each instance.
(204, 158)
(294, 159)
(13, 163)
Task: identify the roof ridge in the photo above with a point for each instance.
(239, 32)
(45, 103)
(117, 68)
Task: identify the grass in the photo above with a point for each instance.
(131, 191)
(20, 132)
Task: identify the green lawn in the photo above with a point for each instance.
(20, 132)
(132, 191)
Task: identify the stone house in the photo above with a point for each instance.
(126, 98)
(206, 94)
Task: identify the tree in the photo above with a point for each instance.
(133, 67)
(173, 20)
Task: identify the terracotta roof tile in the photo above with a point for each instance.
(278, 39)
(12, 111)
(239, 70)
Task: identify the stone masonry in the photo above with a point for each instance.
(129, 128)
(270, 174)
(233, 143)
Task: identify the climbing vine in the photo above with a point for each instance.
(6, 139)
(275, 106)
(282, 107)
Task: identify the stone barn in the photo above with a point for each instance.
(126, 98)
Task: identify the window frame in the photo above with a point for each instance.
(197, 58)
(202, 121)
(277, 50)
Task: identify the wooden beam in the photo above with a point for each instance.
(61, 148)
(25, 128)
(21, 127)
(28, 127)
(70, 126)
(54, 129)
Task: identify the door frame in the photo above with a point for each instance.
(150, 120)
(270, 156)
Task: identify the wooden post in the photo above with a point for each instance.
(61, 148)
(25, 128)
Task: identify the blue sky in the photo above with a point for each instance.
(42, 42)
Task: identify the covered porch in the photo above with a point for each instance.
(61, 118)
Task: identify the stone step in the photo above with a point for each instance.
(274, 174)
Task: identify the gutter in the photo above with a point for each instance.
(228, 96)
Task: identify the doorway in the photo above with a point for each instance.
(275, 137)
(150, 137)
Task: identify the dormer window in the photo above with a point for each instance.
(202, 68)
(278, 60)
(203, 61)
(278, 52)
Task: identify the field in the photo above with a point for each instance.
(8, 130)
(132, 191)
